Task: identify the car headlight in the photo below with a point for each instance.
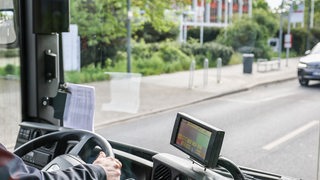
(302, 65)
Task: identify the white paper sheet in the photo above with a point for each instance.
(79, 109)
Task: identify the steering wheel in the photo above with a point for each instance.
(233, 169)
(86, 140)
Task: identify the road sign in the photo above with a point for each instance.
(288, 41)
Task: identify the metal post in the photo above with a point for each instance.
(312, 14)
(230, 11)
(240, 8)
(185, 33)
(194, 9)
(219, 65)
(207, 19)
(250, 8)
(129, 36)
(308, 28)
(288, 32)
(219, 11)
(191, 75)
(280, 35)
(205, 72)
(202, 18)
(181, 28)
(226, 12)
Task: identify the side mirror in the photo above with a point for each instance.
(307, 52)
(7, 27)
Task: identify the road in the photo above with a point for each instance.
(273, 128)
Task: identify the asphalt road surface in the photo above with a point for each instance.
(273, 128)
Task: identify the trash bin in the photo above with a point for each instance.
(247, 60)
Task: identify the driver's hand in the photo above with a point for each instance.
(111, 166)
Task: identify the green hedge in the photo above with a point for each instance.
(8, 53)
(9, 69)
(209, 33)
(150, 35)
(154, 59)
(212, 51)
(157, 58)
(315, 36)
(299, 37)
(89, 73)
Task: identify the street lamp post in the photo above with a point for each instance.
(129, 35)
(280, 37)
(288, 34)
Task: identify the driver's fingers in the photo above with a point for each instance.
(102, 154)
(118, 163)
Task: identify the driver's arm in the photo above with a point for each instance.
(12, 167)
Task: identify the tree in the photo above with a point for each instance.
(102, 23)
(247, 35)
(105, 19)
(260, 4)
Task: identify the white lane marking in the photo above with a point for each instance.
(290, 135)
(285, 94)
(257, 99)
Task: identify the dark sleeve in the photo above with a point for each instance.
(12, 167)
(79, 172)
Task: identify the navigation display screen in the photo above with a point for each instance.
(193, 138)
(201, 141)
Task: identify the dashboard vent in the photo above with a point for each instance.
(162, 173)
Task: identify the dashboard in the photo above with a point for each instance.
(138, 163)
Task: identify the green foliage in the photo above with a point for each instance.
(154, 59)
(157, 58)
(260, 4)
(209, 33)
(99, 20)
(236, 58)
(8, 53)
(9, 69)
(212, 51)
(102, 25)
(87, 74)
(154, 12)
(150, 35)
(247, 35)
(299, 40)
(267, 21)
(242, 33)
(174, 58)
(105, 20)
(315, 36)
(151, 66)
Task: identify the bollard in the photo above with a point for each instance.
(219, 65)
(191, 75)
(205, 72)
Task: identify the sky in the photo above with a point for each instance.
(273, 3)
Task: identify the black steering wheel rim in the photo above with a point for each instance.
(233, 169)
(65, 135)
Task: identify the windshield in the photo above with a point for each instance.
(231, 64)
(10, 98)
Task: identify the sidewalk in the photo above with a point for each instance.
(168, 91)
